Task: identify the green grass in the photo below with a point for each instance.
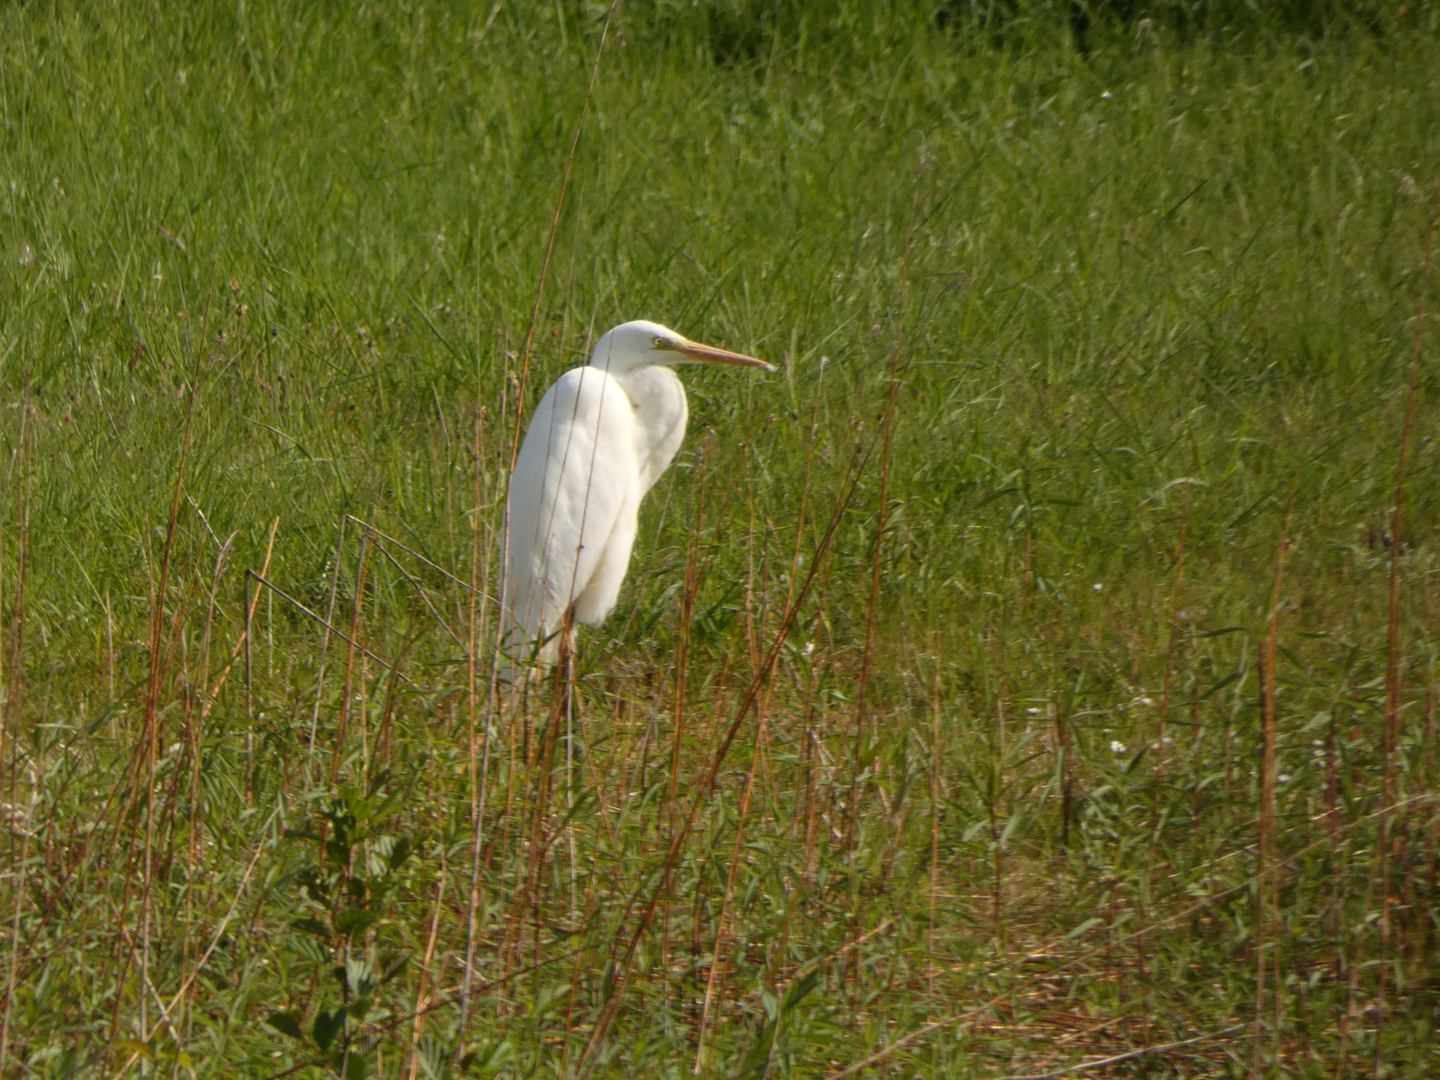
(1164, 288)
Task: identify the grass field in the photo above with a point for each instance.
(960, 716)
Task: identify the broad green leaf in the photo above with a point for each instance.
(354, 920)
(327, 1026)
(312, 926)
(287, 1024)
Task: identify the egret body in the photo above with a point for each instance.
(599, 439)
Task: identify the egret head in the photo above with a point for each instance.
(634, 345)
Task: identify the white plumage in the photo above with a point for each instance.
(599, 439)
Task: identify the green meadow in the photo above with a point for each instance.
(1031, 677)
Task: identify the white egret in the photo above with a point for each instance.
(599, 439)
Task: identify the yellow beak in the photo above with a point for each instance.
(709, 354)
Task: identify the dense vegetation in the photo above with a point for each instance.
(961, 715)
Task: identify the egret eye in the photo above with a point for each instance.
(664, 344)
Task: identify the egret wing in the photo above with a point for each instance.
(575, 476)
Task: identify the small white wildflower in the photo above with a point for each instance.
(1106, 95)
(1283, 778)
(1116, 746)
(1099, 586)
(809, 649)
(1035, 712)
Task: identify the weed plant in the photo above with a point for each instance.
(1006, 684)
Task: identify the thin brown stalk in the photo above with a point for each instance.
(581, 955)
(688, 593)
(342, 723)
(1350, 945)
(862, 699)
(1393, 673)
(817, 674)
(244, 639)
(1080, 960)
(20, 870)
(355, 644)
(554, 230)
(1156, 817)
(1266, 888)
(996, 837)
(937, 644)
(805, 771)
(1129, 1055)
(478, 772)
(419, 1024)
(378, 535)
(1431, 850)
(715, 985)
(218, 936)
(9, 730)
(1067, 772)
(1160, 739)
(109, 647)
(157, 621)
(420, 592)
(542, 769)
(706, 777)
(124, 785)
(250, 605)
(150, 729)
(325, 637)
(195, 731)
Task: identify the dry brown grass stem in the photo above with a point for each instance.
(394, 668)
(215, 939)
(419, 591)
(150, 731)
(1266, 893)
(1050, 948)
(436, 910)
(1160, 758)
(21, 872)
(81, 858)
(243, 641)
(706, 779)
(1390, 737)
(862, 698)
(936, 647)
(10, 721)
(10, 664)
(688, 593)
(1129, 1055)
(325, 637)
(541, 767)
(554, 230)
(472, 707)
(805, 780)
(715, 985)
(341, 724)
(377, 535)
